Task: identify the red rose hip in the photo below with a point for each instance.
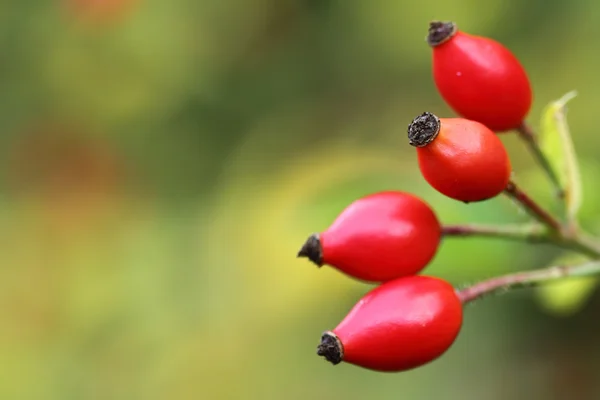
(479, 77)
(400, 325)
(460, 158)
(378, 237)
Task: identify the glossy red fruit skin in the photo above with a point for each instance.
(466, 161)
(482, 80)
(382, 236)
(402, 324)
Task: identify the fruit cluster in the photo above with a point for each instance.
(389, 237)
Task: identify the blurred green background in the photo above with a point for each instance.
(163, 161)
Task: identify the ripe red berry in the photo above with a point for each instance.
(460, 158)
(400, 325)
(479, 77)
(378, 237)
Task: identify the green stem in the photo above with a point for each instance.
(534, 233)
(527, 134)
(584, 244)
(527, 279)
(521, 232)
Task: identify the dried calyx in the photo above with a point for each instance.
(423, 129)
(439, 32)
(331, 348)
(312, 250)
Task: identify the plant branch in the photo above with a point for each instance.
(527, 134)
(558, 234)
(533, 233)
(514, 192)
(584, 244)
(527, 279)
(521, 232)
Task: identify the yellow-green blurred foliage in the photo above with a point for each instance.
(163, 161)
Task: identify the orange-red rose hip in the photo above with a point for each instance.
(479, 78)
(460, 158)
(400, 325)
(378, 237)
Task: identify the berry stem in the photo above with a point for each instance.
(533, 233)
(514, 192)
(527, 279)
(559, 234)
(521, 232)
(582, 243)
(528, 135)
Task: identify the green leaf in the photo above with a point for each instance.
(557, 146)
(566, 296)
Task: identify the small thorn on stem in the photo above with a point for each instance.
(312, 250)
(331, 348)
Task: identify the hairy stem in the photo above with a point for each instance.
(514, 192)
(527, 279)
(527, 134)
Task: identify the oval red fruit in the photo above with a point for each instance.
(460, 158)
(479, 78)
(378, 237)
(400, 325)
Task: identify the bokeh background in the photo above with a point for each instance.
(163, 161)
